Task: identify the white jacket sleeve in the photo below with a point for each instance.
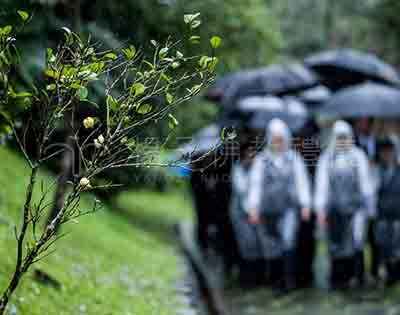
(322, 184)
(302, 182)
(366, 182)
(256, 184)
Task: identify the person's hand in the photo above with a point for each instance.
(306, 214)
(254, 217)
(322, 219)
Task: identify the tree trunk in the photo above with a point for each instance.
(68, 158)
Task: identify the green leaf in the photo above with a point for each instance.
(51, 87)
(23, 15)
(112, 103)
(111, 56)
(23, 94)
(196, 89)
(189, 18)
(97, 67)
(169, 97)
(131, 143)
(175, 65)
(212, 64)
(82, 92)
(144, 108)
(215, 41)
(129, 52)
(228, 134)
(51, 73)
(50, 55)
(204, 61)
(194, 39)
(76, 85)
(137, 89)
(68, 35)
(195, 24)
(173, 122)
(165, 78)
(6, 30)
(163, 52)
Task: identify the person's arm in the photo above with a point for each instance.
(303, 187)
(366, 183)
(255, 189)
(322, 189)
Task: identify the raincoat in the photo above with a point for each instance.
(279, 187)
(387, 228)
(245, 232)
(344, 192)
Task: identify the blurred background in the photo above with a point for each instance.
(122, 261)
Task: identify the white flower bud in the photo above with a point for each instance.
(101, 139)
(84, 183)
(88, 122)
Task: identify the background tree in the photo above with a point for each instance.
(109, 140)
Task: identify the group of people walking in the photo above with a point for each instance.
(354, 198)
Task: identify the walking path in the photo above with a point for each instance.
(318, 301)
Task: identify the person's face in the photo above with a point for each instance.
(343, 142)
(363, 125)
(387, 155)
(278, 143)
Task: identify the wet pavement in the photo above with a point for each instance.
(374, 300)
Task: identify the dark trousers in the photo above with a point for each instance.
(252, 273)
(342, 270)
(374, 248)
(305, 253)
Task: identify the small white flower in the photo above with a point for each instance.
(101, 139)
(88, 122)
(84, 183)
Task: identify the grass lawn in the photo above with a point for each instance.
(118, 261)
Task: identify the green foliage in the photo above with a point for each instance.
(250, 32)
(12, 101)
(387, 18)
(308, 26)
(120, 262)
(131, 86)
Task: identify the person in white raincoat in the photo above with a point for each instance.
(251, 259)
(344, 194)
(279, 192)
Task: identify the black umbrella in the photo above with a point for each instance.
(364, 100)
(255, 112)
(205, 140)
(344, 67)
(316, 96)
(216, 92)
(275, 80)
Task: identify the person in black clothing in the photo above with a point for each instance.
(210, 184)
(366, 140)
(307, 143)
(387, 228)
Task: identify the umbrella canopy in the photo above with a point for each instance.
(207, 139)
(345, 67)
(275, 80)
(316, 96)
(216, 92)
(365, 100)
(256, 111)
